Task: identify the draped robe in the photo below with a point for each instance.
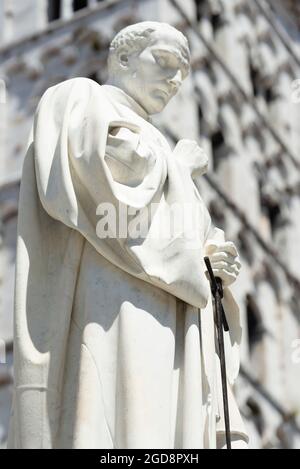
(114, 337)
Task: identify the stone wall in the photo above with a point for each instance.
(241, 105)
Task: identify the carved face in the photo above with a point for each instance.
(155, 74)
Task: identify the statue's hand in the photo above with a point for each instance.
(224, 260)
(190, 154)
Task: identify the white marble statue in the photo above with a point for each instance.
(114, 330)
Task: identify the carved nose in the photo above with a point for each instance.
(176, 80)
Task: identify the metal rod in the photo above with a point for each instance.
(216, 292)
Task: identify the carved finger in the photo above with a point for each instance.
(232, 268)
(230, 248)
(227, 277)
(225, 257)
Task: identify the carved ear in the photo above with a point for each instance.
(123, 57)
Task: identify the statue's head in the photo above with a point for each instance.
(149, 61)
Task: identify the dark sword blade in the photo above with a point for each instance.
(217, 293)
(218, 306)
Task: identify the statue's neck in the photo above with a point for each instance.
(115, 81)
(123, 97)
(120, 82)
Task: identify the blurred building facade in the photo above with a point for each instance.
(242, 103)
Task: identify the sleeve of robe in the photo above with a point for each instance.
(71, 167)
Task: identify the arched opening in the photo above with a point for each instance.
(199, 4)
(256, 329)
(54, 10)
(79, 4)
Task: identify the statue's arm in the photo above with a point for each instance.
(127, 156)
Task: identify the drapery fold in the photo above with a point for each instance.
(87, 150)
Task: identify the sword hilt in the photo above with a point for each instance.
(217, 290)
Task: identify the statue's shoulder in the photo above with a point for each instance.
(75, 90)
(80, 83)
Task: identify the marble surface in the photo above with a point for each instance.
(98, 313)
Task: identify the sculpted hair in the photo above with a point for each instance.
(135, 38)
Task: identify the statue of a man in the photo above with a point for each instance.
(114, 329)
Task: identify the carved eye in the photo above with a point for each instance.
(124, 58)
(162, 61)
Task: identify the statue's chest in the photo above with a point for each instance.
(152, 136)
